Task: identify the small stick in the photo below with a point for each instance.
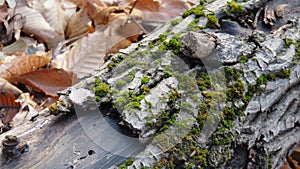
(256, 18)
(133, 6)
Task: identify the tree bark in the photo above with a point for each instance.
(190, 97)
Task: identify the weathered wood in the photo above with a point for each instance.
(253, 130)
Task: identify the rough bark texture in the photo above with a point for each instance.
(192, 97)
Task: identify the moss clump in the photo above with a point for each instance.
(120, 83)
(115, 61)
(193, 26)
(127, 163)
(204, 81)
(261, 80)
(123, 99)
(176, 21)
(235, 8)
(112, 65)
(235, 91)
(174, 45)
(162, 37)
(288, 42)
(145, 79)
(212, 22)
(100, 89)
(135, 104)
(244, 59)
(150, 44)
(285, 73)
(231, 74)
(197, 11)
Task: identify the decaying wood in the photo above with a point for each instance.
(261, 137)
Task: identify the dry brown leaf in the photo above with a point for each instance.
(10, 107)
(78, 24)
(162, 10)
(5, 86)
(32, 109)
(37, 25)
(23, 64)
(3, 12)
(87, 55)
(83, 3)
(8, 95)
(48, 81)
(107, 15)
(122, 30)
(55, 16)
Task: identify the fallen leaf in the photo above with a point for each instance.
(8, 95)
(3, 11)
(55, 16)
(160, 10)
(86, 55)
(78, 24)
(83, 3)
(5, 86)
(23, 64)
(48, 81)
(23, 116)
(37, 25)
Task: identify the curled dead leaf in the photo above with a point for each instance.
(78, 24)
(86, 55)
(8, 95)
(37, 25)
(23, 64)
(48, 81)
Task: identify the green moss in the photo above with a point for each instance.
(145, 79)
(174, 44)
(150, 44)
(270, 77)
(123, 99)
(234, 7)
(176, 21)
(284, 74)
(174, 95)
(244, 59)
(112, 65)
(120, 83)
(235, 91)
(193, 26)
(127, 163)
(186, 83)
(250, 92)
(212, 22)
(197, 11)
(131, 75)
(288, 42)
(231, 74)
(100, 89)
(114, 92)
(115, 61)
(204, 81)
(135, 104)
(145, 90)
(262, 80)
(167, 74)
(162, 37)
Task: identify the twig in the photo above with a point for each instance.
(133, 6)
(256, 18)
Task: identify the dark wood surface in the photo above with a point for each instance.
(66, 140)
